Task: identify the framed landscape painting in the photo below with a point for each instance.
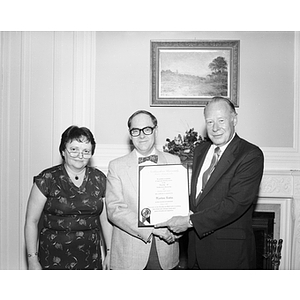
(190, 73)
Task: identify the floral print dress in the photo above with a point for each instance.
(70, 236)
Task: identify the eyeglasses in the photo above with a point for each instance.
(75, 153)
(146, 130)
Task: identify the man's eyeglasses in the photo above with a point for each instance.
(75, 153)
(146, 130)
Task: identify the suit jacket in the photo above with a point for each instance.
(222, 236)
(130, 249)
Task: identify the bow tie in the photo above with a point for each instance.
(153, 158)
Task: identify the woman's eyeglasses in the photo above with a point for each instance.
(75, 153)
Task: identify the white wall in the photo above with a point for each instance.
(50, 80)
(266, 84)
(269, 91)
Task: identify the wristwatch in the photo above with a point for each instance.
(190, 221)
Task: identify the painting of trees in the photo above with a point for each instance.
(190, 73)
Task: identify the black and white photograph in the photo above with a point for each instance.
(149, 137)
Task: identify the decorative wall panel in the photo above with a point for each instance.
(47, 84)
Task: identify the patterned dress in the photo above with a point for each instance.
(70, 237)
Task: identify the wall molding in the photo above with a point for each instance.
(70, 74)
(285, 158)
(84, 79)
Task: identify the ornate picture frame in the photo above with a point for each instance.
(190, 73)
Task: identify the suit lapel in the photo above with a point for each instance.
(161, 158)
(132, 166)
(197, 165)
(132, 169)
(223, 165)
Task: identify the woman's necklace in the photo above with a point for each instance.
(76, 175)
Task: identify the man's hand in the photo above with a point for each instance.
(176, 224)
(165, 234)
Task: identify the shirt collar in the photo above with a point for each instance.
(138, 154)
(223, 148)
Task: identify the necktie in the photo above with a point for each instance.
(153, 158)
(211, 168)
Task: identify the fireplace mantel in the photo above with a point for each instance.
(280, 183)
(280, 186)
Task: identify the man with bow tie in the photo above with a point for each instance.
(134, 247)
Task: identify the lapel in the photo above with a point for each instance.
(226, 160)
(197, 165)
(131, 162)
(132, 166)
(161, 157)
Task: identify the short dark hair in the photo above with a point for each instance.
(79, 134)
(153, 118)
(226, 100)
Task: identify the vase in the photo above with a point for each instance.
(188, 163)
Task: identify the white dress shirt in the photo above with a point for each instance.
(207, 162)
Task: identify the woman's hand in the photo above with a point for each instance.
(106, 262)
(33, 264)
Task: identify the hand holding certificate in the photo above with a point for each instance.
(163, 193)
(177, 224)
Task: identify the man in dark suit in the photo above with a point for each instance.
(222, 196)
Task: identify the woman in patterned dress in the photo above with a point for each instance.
(70, 196)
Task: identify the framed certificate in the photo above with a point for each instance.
(163, 193)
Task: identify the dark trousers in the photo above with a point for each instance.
(153, 262)
(195, 266)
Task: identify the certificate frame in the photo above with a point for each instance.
(163, 192)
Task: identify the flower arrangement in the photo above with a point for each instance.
(183, 146)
